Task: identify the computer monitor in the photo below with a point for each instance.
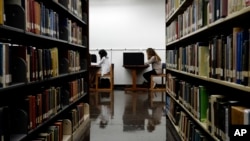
(133, 58)
(93, 58)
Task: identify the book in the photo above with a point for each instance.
(2, 12)
(203, 100)
(212, 112)
(203, 59)
(14, 11)
(5, 74)
(236, 30)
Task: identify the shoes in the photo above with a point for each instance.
(145, 84)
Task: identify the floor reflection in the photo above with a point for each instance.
(135, 113)
(118, 116)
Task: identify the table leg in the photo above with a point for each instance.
(133, 79)
(134, 85)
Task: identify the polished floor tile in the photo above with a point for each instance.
(126, 117)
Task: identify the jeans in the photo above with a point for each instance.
(147, 75)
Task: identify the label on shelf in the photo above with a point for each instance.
(245, 73)
(230, 73)
(233, 73)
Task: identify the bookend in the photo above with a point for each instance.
(67, 127)
(13, 14)
(64, 32)
(19, 121)
(64, 66)
(4, 124)
(83, 64)
(19, 70)
(65, 96)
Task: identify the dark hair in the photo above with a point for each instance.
(102, 53)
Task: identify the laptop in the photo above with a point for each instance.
(133, 58)
(93, 58)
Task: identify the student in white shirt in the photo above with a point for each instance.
(104, 66)
(104, 62)
(155, 61)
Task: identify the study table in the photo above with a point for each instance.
(134, 69)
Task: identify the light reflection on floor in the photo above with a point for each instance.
(126, 117)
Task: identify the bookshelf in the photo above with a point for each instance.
(44, 65)
(207, 67)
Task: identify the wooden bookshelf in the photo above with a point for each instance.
(216, 81)
(50, 78)
(243, 12)
(226, 34)
(177, 11)
(176, 128)
(202, 125)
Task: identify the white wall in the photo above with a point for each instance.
(126, 25)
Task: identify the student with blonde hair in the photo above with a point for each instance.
(155, 61)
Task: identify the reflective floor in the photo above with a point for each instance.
(127, 117)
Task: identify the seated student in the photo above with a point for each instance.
(155, 61)
(104, 67)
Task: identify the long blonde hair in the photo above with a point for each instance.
(151, 52)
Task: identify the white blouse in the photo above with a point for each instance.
(105, 65)
(156, 65)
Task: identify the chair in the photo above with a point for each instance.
(154, 91)
(104, 91)
(110, 75)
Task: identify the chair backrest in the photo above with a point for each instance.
(112, 76)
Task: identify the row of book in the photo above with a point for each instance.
(188, 130)
(63, 128)
(34, 110)
(225, 114)
(192, 58)
(218, 113)
(172, 110)
(224, 57)
(201, 13)
(185, 127)
(193, 97)
(39, 19)
(20, 63)
(74, 6)
(171, 6)
(66, 129)
(42, 106)
(189, 21)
